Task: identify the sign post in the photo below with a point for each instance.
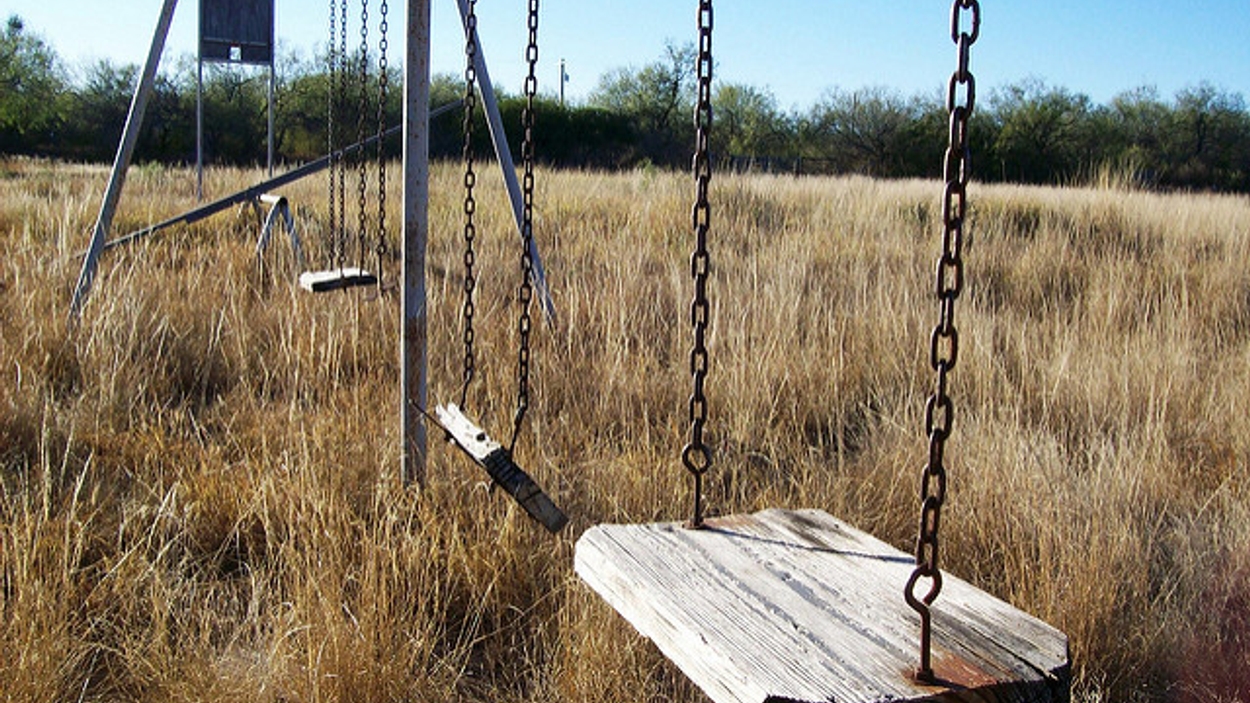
(232, 32)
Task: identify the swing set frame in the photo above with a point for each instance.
(415, 222)
(826, 638)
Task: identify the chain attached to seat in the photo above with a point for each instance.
(343, 69)
(332, 146)
(362, 165)
(525, 295)
(380, 247)
(336, 104)
(470, 203)
(944, 341)
(696, 456)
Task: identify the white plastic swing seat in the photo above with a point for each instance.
(334, 279)
(788, 606)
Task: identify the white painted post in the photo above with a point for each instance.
(416, 228)
(117, 180)
(564, 78)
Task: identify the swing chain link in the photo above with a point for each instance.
(362, 188)
(525, 294)
(697, 456)
(331, 121)
(383, 92)
(341, 108)
(944, 341)
(470, 203)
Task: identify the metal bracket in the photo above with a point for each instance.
(279, 211)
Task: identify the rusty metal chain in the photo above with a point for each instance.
(944, 341)
(362, 188)
(383, 91)
(470, 203)
(331, 120)
(341, 108)
(526, 293)
(696, 456)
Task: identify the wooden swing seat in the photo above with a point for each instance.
(788, 606)
(335, 279)
(497, 461)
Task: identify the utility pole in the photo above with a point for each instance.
(564, 78)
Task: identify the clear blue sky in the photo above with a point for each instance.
(795, 48)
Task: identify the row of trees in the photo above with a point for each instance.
(1027, 132)
(1024, 132)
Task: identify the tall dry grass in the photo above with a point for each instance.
(199, 483)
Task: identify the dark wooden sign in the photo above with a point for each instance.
(236, 31)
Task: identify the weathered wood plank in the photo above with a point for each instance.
(799, 606)
(334, 279)
(498, 463)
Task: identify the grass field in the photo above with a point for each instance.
(200, 498)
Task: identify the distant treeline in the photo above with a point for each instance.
(1025, 132)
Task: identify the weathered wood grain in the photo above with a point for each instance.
(498, 463)
(798, 606)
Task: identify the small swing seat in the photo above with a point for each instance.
(335, 279)
(789, 606)
(499, 465)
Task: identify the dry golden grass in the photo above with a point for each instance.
(199, 484)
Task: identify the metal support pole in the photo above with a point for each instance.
(271, 92)
(506, 165)
(199, 122)
(273, 58)
(125, 150)
(255, 191)
(416, 228)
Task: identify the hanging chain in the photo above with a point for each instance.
(362, 188)
(331, 120)
(696, 456)
(526, 292)
(383, 91)
(944, 341)
(470, 204)
(341, 158)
